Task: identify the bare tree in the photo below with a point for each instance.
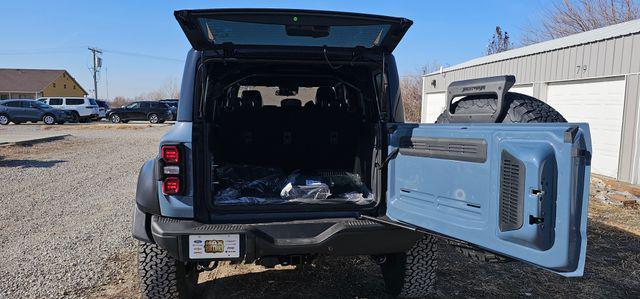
(411, 90)
(499, 42)
(171, 88)
(574, 16)
(119, 102)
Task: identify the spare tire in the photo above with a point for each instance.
(520, 109)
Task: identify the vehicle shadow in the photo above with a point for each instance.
(612, 270)
(28, 163)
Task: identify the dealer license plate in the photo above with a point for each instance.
(214, 246)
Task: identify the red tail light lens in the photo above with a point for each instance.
(171, 185)
(170, 154)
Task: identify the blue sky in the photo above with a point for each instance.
(55, 34)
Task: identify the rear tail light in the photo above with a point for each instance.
(171, 185)
(170, 154)
(171, 169)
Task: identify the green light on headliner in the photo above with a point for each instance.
(295, 19)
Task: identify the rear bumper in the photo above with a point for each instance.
(325, 237)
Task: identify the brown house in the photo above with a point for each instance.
(33, 83)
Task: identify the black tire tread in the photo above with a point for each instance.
(521, 109)
(412, 274)
(158, 272)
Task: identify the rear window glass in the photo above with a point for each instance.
(75, 101)
(36, 104)
(13, 104)
(247, 33)
(269, 97)
(55, 101)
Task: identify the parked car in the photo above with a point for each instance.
(23, 110)
(154, 112)
(81, 109)
(173, 103)
(338, 171)
(103, 107)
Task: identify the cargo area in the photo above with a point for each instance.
(294, 139)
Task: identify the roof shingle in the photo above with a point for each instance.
(27, 80)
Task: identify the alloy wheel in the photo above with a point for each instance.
(48, 119)
(4, 120)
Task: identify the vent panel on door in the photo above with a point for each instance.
(511, 192)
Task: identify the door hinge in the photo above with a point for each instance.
(582, 153)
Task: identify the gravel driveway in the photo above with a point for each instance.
(65, 223)
(67, 206)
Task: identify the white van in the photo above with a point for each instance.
(81, 109)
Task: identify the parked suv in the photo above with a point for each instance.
(173, 104)
(81, 109)
(154, 112)
(103, 107)
(19, 111)
(290, 144)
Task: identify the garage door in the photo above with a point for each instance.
(523, 89)
(432, 106)
(600, 103)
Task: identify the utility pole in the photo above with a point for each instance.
(97, 63)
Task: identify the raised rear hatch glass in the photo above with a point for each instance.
(211, 29)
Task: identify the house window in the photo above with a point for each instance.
(65, 86)
(74, 86)
(54, 85)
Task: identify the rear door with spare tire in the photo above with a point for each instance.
(502, 171)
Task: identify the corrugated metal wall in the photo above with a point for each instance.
(611, 57)
(619, 56)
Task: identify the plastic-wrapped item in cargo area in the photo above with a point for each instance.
(254, 185)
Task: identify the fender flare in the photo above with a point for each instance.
(147, 203)
(146, 191)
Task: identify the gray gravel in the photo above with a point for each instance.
(67, 206)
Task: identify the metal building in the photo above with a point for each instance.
(589, 77)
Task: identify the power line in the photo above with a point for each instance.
(142, 55)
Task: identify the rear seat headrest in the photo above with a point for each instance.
(251, 98)
(324, 95)
(291, 103)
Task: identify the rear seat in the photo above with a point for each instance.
(323, 136)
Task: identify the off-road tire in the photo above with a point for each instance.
(161, 276)
(521, 109)
(412, 274)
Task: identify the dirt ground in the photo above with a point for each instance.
(612, 271)
(612, 268)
